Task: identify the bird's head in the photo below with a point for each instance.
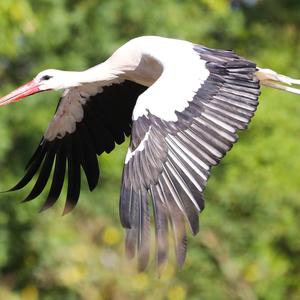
(44, 81)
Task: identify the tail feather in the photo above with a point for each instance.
(272, 79)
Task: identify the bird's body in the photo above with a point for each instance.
(181, 103)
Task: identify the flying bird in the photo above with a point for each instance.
(181, 104)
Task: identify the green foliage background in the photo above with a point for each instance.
(249, 244)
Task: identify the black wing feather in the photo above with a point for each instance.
(161, 227)
(143, 246)
(58, 179)
(89, 158)
(173, 164)
(97, 132)
(73, 175)
(32, 168)
(43, 176)
(177, 222)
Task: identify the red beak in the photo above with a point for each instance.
(25, 90)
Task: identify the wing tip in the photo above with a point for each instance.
(68, 208)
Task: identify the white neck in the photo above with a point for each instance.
(103, 72)
(128, 62)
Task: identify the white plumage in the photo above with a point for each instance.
(181, 103)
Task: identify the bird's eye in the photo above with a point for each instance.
(46, 77)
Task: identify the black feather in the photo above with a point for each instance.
(44, 174)
(189, 209)
(32, 169)
(131, 238)
(89, 159)
(73, 176)
(161, 227)
(125, 203)
(58, 178)
(143, 245)
(35, 154)
(177, 223)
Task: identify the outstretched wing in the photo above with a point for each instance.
(88, 121)
(173, 149)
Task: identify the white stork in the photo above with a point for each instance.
(182, 105)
